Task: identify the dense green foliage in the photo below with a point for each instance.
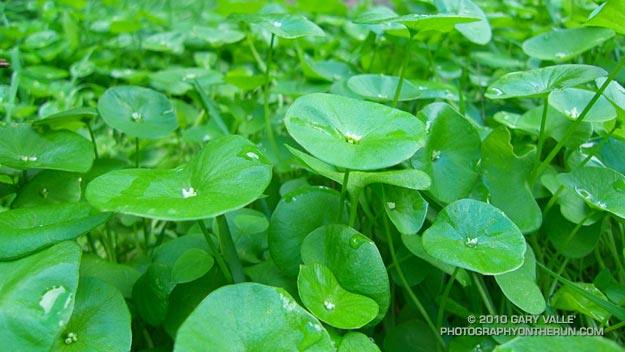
(302, 175)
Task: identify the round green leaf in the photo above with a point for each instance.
(37, 297)
(21, 147)
(572, 101)
(382, 87)
(178, 81)
(282, 24)
(450, 161)
(191, 265)
(565, 44)
(405, 207)
(227, 174)
(353, 258)
(121, 276)
(559, 343)
(50, 187)
(611, 14)
(351, 133)
(332, 304)
(168, 42)
(248, 317)
(296, 215)
(477, 32)
(601, 188)
(217, 35)
(100, 320)
(26, 230)
(540, 81)
(520, 286)
(477, 236)
(580, 244)
(357, 341)
(139, 112)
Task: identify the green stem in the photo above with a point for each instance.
(109, 246)
(342, 196)
(541, 131)
(402, 73)
(573, 127)
(614, 327)
(146, 235)
(598, 147)
(481, 288)
(272, 139)
(441, 309)
(15, 82)
(218, 257)
(95, 145)
(415, 300)
(229, 250)
(559, 273)
(353, 210)
(259, 61)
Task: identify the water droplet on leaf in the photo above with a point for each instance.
(136, 116)
(619, 185)
(328, 304)
(391, 205)
(252, 155)
(71, 338)
(357, 240)
(48, 299)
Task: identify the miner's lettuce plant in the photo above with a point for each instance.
(275, 176)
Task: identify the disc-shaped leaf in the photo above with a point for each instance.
(572, 101)
(601, 188)
(357, 341)
(23, 148)
(282, 24)
(100, 320)
(167, 42)
(540, 81)
(450, 161)
(565, 44)
(477, 236)
(353, 258)
(611, 14)
(26, 230)
(520, 286)
(477, 32)
(405, 207)
(354, 134)
(137, 111)
(505, 176)
(382, 87)
(296, 215)
(332, 304)
(50, 187)
(227, 174)
(559, 343)
(37, 297)
(229, 320)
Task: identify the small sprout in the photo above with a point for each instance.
(329, 305)
(573, 113)
(27, 158)
(252, 155)
(471, 242)
(436, 154)
(136, 116)
(188, 193)
(391, 205)
(71, 338)
(352, 138)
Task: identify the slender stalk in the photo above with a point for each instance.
(146, 235)
(541, 131)
(481, 288)
(272, 139)
(92, 135)
(353, 210)
(15, 82)
(109, 244)
(339, 216)
(573, 127)
(402, 73)
(441, 309)
(229, 250)
(220, 260)
(597, 148)
(259, 61)
(559, 273)
(415, 300)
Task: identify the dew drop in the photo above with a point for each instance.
(43, 193)
(436, 154)
(471, 242)
(48, 299)
(619, 185)
(313, 327)
(495, 91)
(391, 205)
(277, 24)
(381, 96)
(328, 304)
(584, 193)
(27, 158)
(136, 116)
(187, 193)
(252, 155)
(357, 240)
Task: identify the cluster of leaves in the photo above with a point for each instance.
(250, 175)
